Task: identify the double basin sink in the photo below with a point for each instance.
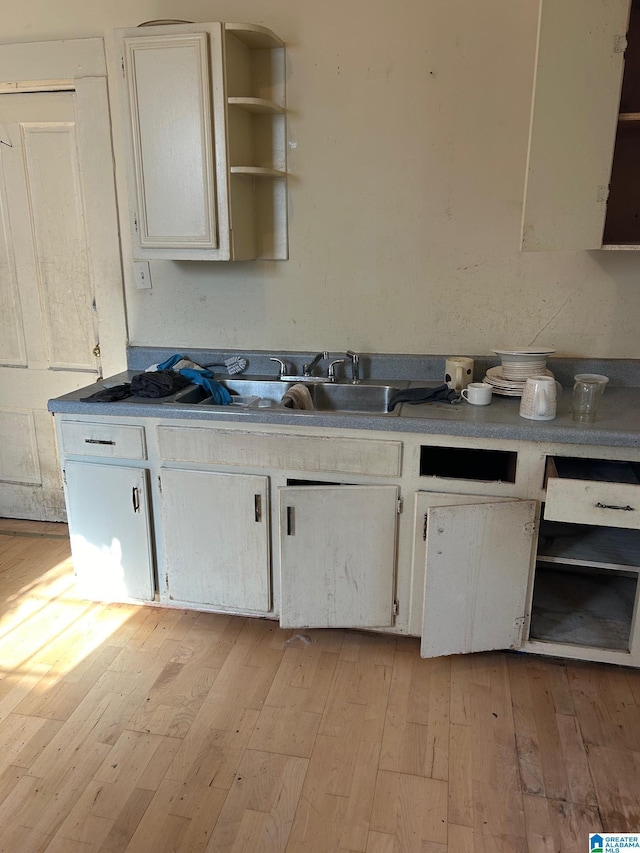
(367, 397)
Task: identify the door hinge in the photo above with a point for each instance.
(122, 64)
(135, 222)
(396, 606)
(602, 193)
(530, 528)
(400, 505)
(518, 627)
(159, 483)
(424, 527)
(64, 476)
(96, 350)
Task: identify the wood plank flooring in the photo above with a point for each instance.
(127, 728)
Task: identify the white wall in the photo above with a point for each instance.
(408, 130)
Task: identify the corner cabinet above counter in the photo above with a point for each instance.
(204, 117)
(470, 542)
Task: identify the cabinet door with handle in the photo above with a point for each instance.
(108, 510)
(478, 562)
(216, 539)
(338, 550)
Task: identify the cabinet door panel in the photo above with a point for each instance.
(337, 548)
(477, 568)
(171, 129)
(573, 126)
(216, 538)
(110, 532)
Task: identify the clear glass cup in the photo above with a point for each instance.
(588, 389)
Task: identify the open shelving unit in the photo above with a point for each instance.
(254, 60)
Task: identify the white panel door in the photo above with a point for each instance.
(110, 531)
(173, 112)
(573, 125)
(216, 539)
(478, 562)
(338, 554)
(49, 321)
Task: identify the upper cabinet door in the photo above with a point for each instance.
(171, 127)
(477, 569)
(573, 126)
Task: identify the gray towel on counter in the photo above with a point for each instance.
(159, 384)
(109, 395)
(298, 397)
(440, 394)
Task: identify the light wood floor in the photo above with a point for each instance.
(146, 729)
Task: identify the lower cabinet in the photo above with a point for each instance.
(585, 593)
(215, 539)
(338, 556)
(109, 523)
(478, 553)
(558, 575)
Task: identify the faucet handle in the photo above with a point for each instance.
(331, 370)
(283, 367)
(355, 366)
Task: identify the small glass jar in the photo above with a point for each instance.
(588, 389)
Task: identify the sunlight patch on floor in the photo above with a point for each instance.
(47, 630)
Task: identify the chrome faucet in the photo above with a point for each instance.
(331, 370)
(355, 367)
(307, 368)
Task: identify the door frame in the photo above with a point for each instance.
(80, 65)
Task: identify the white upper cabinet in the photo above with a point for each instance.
(204, 121)
(579, 71)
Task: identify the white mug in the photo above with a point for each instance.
(539, 398)
(477, 393)
(458, 372)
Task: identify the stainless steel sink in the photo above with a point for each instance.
(354, 398)
(366, 397)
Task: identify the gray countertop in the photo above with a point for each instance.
(617, 425)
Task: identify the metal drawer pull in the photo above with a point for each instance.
(626, 508)
(135, 497)
(98, 441)
(257, 507)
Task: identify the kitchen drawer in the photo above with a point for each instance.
(328, 454)
(593, 491)
(113, 441)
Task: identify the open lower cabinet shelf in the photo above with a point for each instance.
(583, 607)
(585, 590)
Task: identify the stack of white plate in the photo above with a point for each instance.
(509, 387)
(517, 366)
(520, 363)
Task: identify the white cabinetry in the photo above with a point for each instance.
(215, 530)
(108, 508)
(512, 544)
(204, 120)
(580, 63)
(109, 522)
(477, 556)
(337, 556)
(585, 590)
